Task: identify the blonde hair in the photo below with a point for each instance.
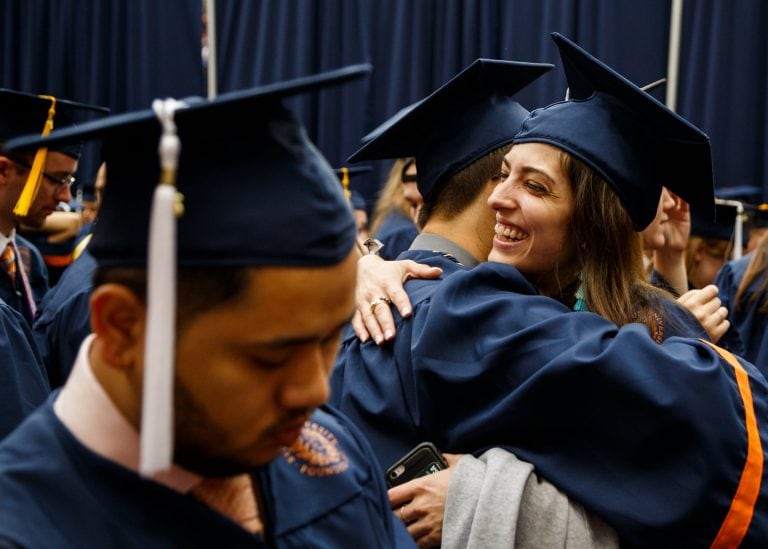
(755, 268)
(391, 197)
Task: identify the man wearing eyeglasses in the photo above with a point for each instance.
(55, 187)
(31, 186)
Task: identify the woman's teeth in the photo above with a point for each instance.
(510, 233)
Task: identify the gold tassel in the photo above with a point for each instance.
(32, 184)
(345, 182)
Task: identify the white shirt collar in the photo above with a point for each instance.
(87, 411)
(4, 240)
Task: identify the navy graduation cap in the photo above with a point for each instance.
(241, 153)
(631, 139)
(352, 171)
(345, 175)
(389, 122)
(465, 119)
(255, 192)
(749, 194)
(755, 212)
(756, 215)
(25, 113)
(720, 228)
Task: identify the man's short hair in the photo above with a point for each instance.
(463, 188)
(198, 289)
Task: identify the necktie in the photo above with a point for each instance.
(233, 497)
(9, 263)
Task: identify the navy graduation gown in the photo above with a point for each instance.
(324, 492)
(32, 262)
(650, 437)
(64, 319)
(749, 323)
(23, 383)
(396, 233)
(355, 360)
(57, 256)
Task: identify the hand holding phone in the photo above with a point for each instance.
(424, 459)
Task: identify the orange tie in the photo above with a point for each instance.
(9, 263)
(233, 497)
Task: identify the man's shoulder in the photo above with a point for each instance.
(420, 290)
(73, 289)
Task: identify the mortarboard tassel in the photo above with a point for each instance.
(345, 182)
(38, 164)
(157, 397)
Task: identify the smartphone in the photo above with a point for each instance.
(424, 459)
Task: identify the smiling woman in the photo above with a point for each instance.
(566, 230)
(534, 206)
(582, 184)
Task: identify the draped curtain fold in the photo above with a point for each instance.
(124, 53)
(724, 85)
(119, 54)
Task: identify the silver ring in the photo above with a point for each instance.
(402, 512)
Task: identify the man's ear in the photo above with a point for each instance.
(6, 164)
(117, 319)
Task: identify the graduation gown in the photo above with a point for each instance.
(749, 323)
(64, 319)
(37, 274)
(57, 256)
(57, 493)
(23, 383)
(396, 233)
(651, 437)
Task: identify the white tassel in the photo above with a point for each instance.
(157, 400)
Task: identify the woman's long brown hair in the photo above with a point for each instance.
(609, 251)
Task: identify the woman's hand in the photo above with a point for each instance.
(379, 284)
(420, 504)
(706, 307)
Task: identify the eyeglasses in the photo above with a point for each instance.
(66, 181)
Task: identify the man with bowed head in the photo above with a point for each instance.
(251, 457)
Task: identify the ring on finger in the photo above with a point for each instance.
(402, 512)
(378, 301)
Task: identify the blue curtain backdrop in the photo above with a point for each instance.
(415, 46)
(119, 54)
(123, 53)
(724, 85)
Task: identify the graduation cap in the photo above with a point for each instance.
(719, 228)
(25, 113)
(345, 174)
(757, 215)
(249, 177)
(389, 122)
(465, 119)
(627, 136)
(748, 194)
